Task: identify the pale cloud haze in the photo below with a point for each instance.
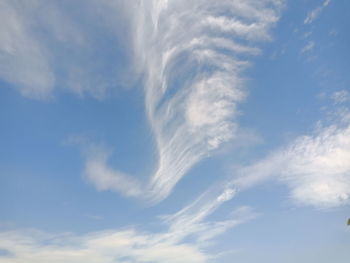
(174, 131)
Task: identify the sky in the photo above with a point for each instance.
(167, 131)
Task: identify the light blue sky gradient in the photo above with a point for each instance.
(170, 131)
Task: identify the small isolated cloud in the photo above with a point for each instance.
(105, 178)
(307, 34)
(333, 33)
(314, 14)
(316, 167)
(309, 47)
(341, 96)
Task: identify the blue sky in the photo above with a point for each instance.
(174, 131)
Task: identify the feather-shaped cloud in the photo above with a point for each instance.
(193, 55)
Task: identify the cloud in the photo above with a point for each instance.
(309, 47)
(341, 96)
(193, 80)
(45, 48)
(187, 239)
(190, 221)
(23, 61)
(315, 167)
(108, 246)
(314, 14)
(105, 178)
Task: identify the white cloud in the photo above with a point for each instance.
(309, 47)
(44, 46)
(316, 168)
(130, 245)
(108, 246)
(105, 178)
(314, 14)
(23, 60)
(192, 57)
(189, 220)
(341, 96)
(319, 171)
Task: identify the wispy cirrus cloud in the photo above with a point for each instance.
(193, 55)
(309, 47)
(187, 239)
(314, 14)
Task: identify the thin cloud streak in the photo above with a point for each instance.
(309, 47)
(315, 13)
